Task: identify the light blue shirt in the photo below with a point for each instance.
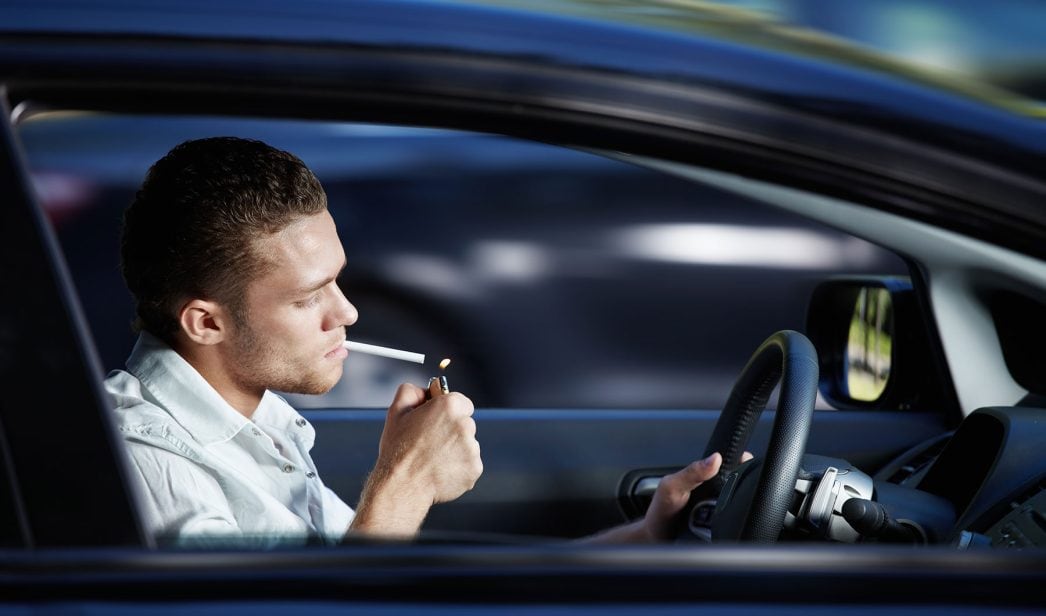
(207, 474)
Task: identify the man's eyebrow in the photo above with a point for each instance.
(319, 285)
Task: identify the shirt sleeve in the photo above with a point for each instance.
(336, 516)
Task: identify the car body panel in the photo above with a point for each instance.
(881, 142)
(630, 579)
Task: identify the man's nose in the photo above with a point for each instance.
(345, 313)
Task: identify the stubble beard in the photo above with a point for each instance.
(263, 366)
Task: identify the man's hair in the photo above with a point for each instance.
(192, 226)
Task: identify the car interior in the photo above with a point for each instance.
(606, 309)
(639, 231)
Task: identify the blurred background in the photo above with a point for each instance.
(1002, 43)
(551, 277)
(993, 48)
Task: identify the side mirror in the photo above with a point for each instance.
(873, 344)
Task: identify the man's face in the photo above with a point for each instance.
(291, 337)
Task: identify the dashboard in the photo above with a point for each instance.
(991, 470)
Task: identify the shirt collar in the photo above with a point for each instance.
(183, 392)
(275, 412)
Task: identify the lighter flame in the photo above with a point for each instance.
(443, 364)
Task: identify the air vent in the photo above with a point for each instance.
(912, 470)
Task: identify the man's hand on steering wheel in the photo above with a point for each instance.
(673, 493)
(669, 499)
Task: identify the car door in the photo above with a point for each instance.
(745, 123)
(685, 108)
(597, 312)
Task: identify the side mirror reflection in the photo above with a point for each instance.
(869, 345)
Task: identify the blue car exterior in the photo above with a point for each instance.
(810, 118)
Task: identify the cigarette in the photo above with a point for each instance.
(373, 349)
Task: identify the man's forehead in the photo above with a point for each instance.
(303, 253)
(303, 237)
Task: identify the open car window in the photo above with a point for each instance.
(553, 278)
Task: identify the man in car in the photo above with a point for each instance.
(233, 262)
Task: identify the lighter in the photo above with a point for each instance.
(443, 385)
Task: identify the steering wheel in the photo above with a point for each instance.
(752, 500)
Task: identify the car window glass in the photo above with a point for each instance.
(551, 277)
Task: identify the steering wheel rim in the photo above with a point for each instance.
(789, 357)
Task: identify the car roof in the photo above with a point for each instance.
(665, 42)
(576, 29)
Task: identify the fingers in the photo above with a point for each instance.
(703, 470)
(456, 404)
(408, 396)
(675, 489)
(695, 473)
(434, 388)
(432, 435)
(700, 471)
(477, 463)
(469, 427)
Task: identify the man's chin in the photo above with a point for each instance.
(312, 388)
(316, 386)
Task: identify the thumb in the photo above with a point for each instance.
(434, 390)
(678, 486)
(408, 397)
(699, 472)
(674, 492)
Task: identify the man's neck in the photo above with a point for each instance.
(245, 403)
(210, 366)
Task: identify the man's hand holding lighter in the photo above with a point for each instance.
(428, 454)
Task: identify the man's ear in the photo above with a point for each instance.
(204, 321)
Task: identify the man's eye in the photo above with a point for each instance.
(309, 301)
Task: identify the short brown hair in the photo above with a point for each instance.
(190, 230)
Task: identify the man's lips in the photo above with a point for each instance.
(338, 352)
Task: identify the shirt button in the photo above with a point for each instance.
(301, 422)
(288, 468)
(256, 431)
(310, 474)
